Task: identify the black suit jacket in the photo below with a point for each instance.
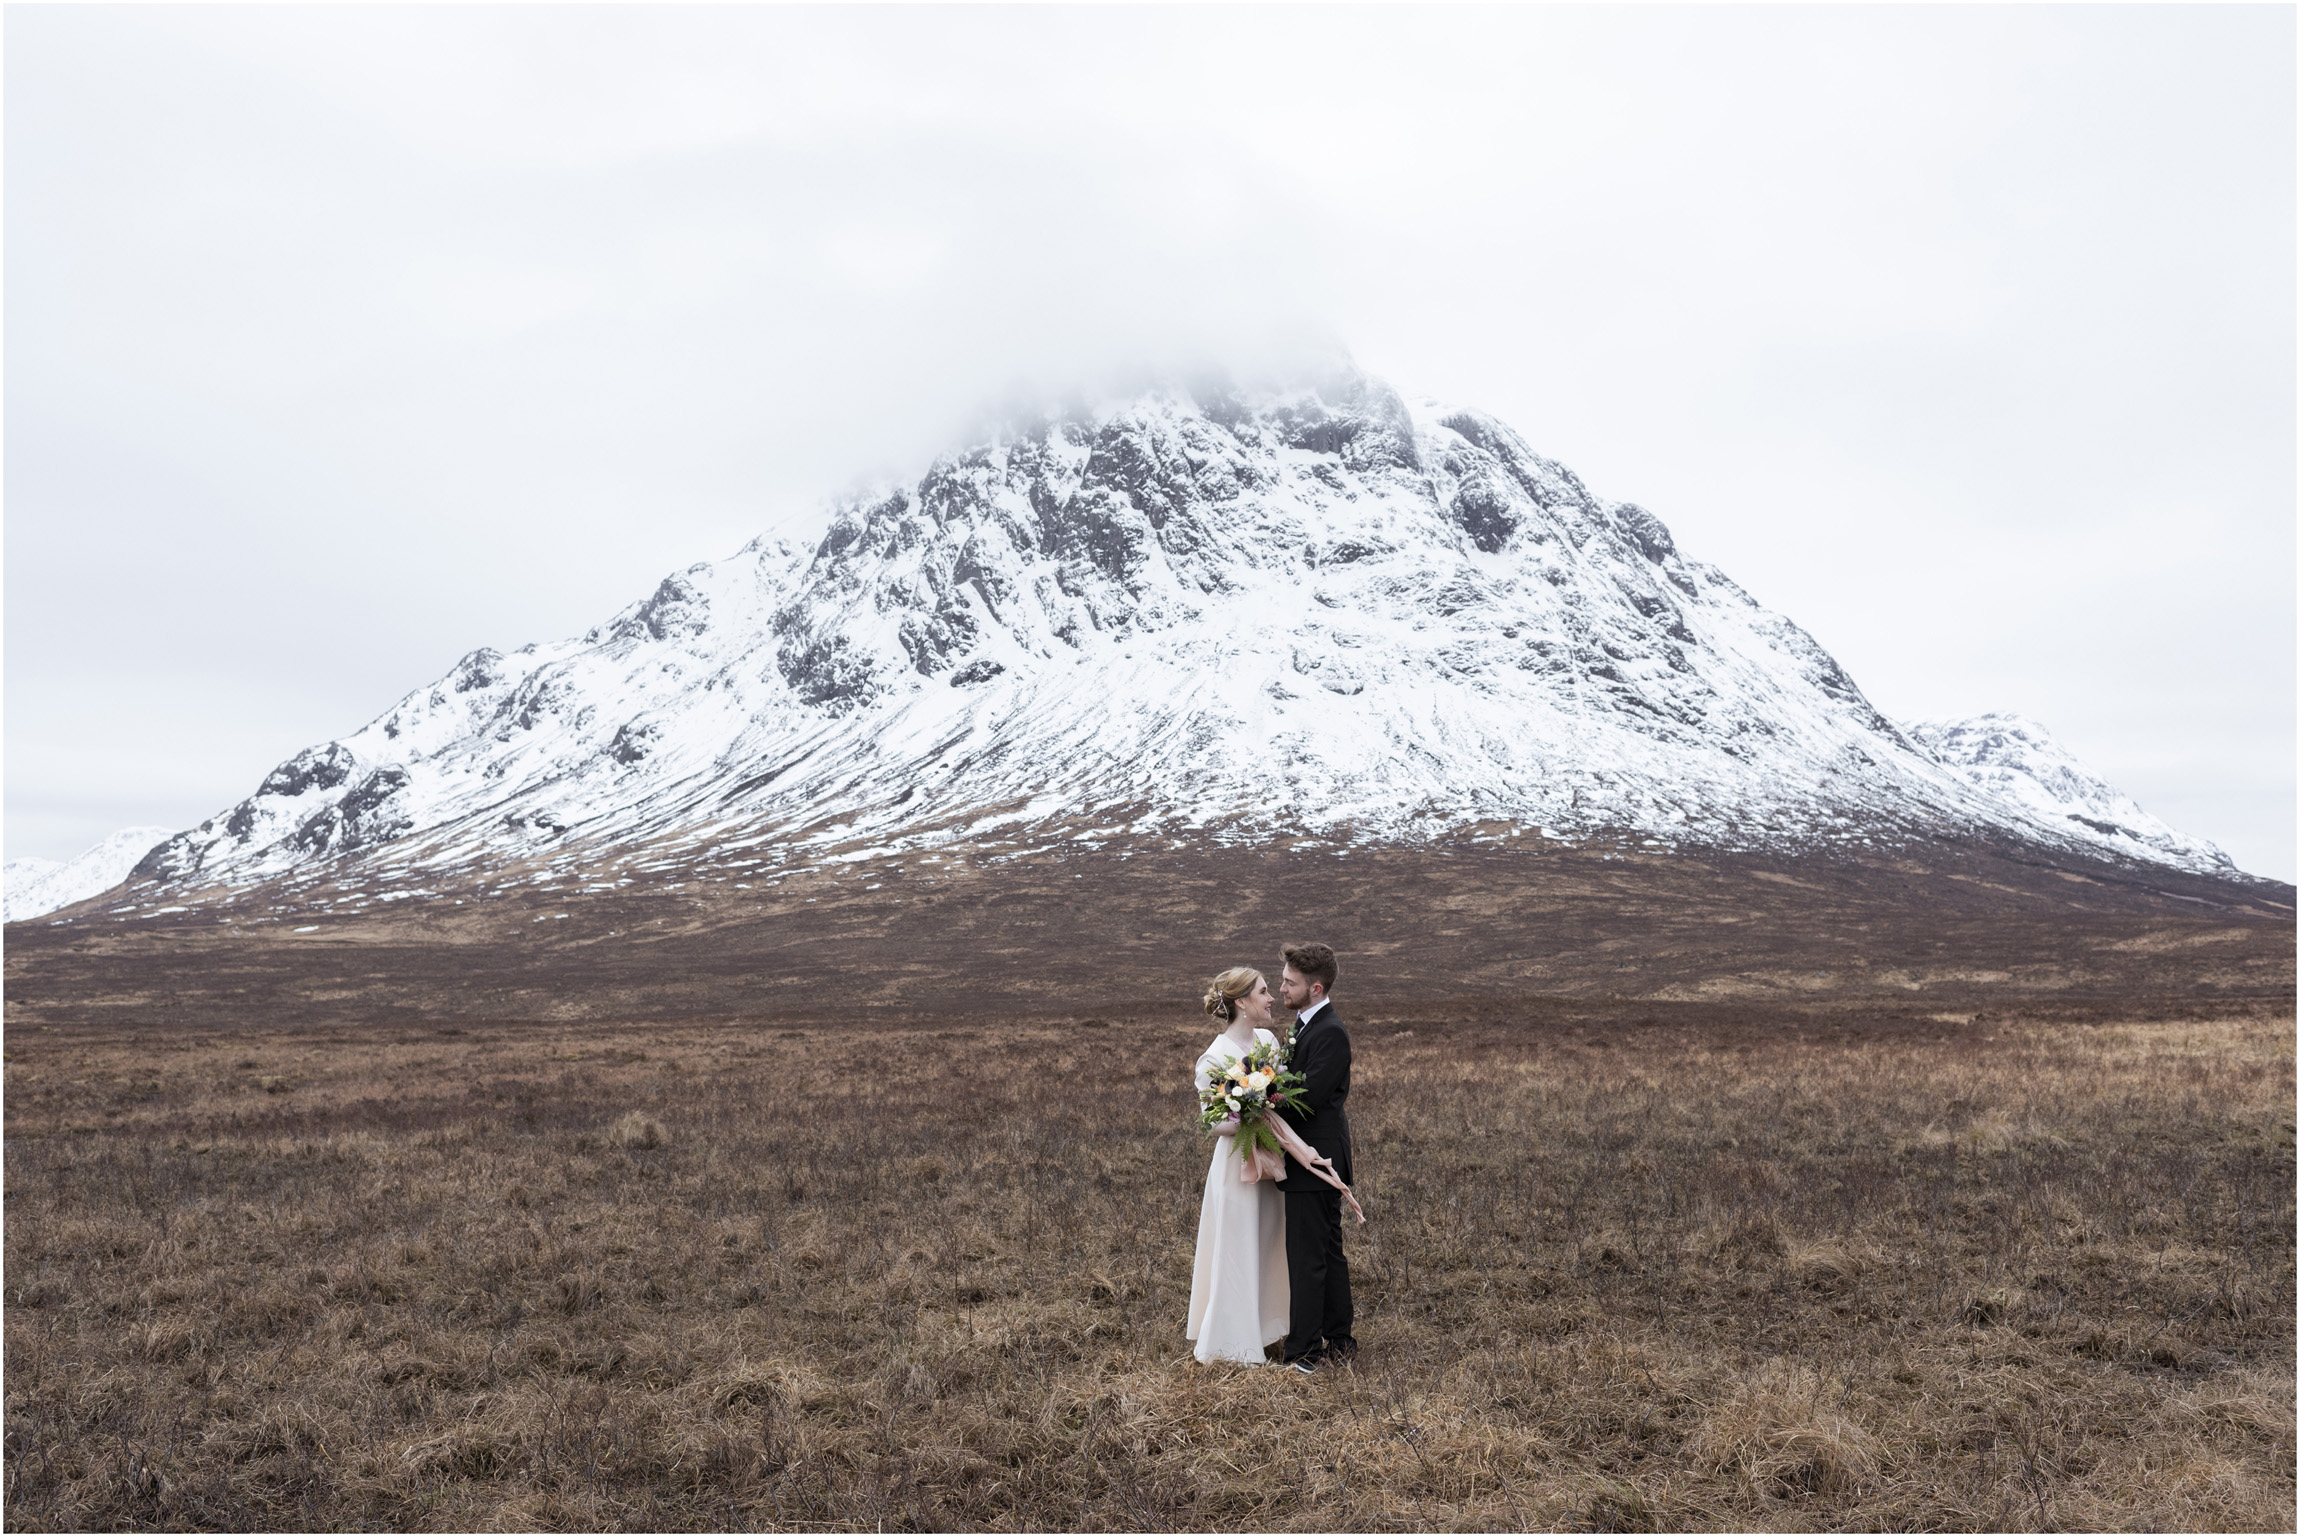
(1321, 1055)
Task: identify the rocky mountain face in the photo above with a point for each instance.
(1326, 613)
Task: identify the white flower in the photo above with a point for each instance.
(1257, 1081)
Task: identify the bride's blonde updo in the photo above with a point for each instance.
(1223, 993)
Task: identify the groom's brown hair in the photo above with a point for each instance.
(1313, 963)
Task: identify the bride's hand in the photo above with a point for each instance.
(1225, 1128)
(1349, 1196)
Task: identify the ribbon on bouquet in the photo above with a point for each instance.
(1264, 1164)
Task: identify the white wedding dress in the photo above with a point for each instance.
(1238, 1296)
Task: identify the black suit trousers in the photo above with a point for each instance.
(1318, 1275)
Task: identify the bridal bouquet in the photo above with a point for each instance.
(1249, 1091)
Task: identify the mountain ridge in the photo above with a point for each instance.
(1323, 611)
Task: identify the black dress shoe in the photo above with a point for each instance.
(1309, 1361)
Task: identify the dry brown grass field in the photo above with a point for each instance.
(1631, 1265)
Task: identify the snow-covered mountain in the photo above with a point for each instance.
(36, 886)
(1324, 611)
(2019, 763)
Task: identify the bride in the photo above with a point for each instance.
(1238, 1291)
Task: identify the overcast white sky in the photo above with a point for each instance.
(341, 341)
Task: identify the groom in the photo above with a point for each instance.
(1321, 1314)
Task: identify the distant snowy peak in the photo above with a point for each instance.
(1195, 612)
(20, 878)
(36, 886)
(2016, 760)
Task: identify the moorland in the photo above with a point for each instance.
(1705, 1193)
